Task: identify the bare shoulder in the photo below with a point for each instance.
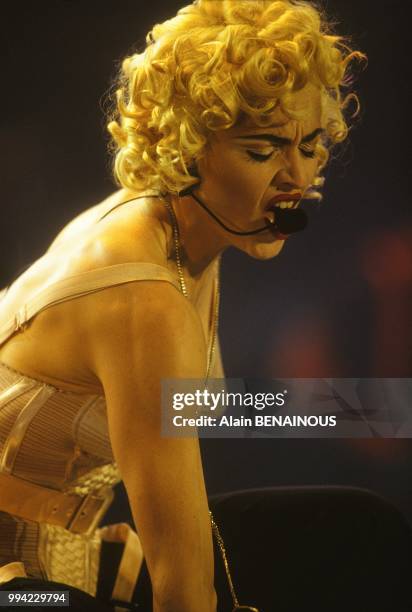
(133, 307)
(103, 336)
(120, 229)
(131, 232)
(142, 326)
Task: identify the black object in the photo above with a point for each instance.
(329, 549)
(298, 549)
(290, 220)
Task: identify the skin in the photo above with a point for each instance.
(126, 341)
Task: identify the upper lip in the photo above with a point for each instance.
(283, 197)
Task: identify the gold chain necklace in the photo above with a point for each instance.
(183, 287)
(211, 352)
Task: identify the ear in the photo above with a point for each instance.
(194, 172)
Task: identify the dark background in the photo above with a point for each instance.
(336, 302)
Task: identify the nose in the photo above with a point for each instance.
(291, 175)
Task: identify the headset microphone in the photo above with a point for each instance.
(290, 220)
(287, 220)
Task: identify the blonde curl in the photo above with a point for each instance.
(215, 62)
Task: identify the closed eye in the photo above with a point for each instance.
(259, 157)
(307, 151)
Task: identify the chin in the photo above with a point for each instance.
(264, 251)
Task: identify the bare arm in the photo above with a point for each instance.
(149, 332)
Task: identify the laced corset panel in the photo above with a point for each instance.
(57, 439)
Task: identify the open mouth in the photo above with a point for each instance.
(286, 219)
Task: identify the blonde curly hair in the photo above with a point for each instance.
(214, 63)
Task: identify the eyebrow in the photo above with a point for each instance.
(279, 140)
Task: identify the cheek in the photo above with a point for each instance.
(312, 170)
(246, 184)
(230, 172)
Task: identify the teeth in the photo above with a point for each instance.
(270, 216)
(288, 204)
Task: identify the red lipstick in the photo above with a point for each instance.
(283, 197)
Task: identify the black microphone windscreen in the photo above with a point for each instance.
(289, 221)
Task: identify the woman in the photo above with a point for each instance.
(223, 123)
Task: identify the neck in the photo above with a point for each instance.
(201, 239)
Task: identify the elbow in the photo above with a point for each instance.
(184, 595)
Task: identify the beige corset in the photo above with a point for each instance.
(59, 440)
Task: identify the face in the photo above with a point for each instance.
(246, 166)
